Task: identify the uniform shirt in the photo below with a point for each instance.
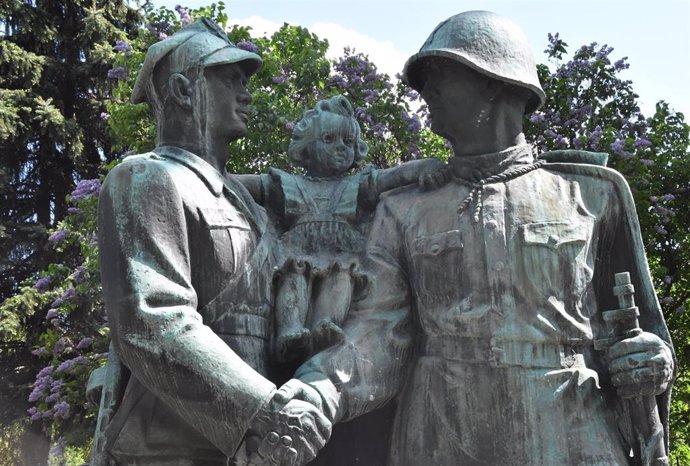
(485, 330)
(182, 252)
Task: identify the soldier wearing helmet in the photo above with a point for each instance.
(487, 292)
(186, 260)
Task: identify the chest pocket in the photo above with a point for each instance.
(230, 236)
(555, 257)
(437, 260)
(215, 219)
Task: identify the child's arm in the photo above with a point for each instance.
(407, 173)
(256, 185)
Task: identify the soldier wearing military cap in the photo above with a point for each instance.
(186, 261)
(487, 292)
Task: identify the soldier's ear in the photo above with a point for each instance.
(180, 90)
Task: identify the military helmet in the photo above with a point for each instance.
(486, 42)
(202, 43)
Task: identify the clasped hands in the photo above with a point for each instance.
(290, 429)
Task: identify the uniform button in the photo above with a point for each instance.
(435, 248)
(499, 265)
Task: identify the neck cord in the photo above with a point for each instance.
(478, 187)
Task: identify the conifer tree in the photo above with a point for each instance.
(54, 62)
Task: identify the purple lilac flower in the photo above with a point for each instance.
(621, 64)
(57, 236)
(555, 117)
(59, 346)
(248, 46)
(647, 162)
(56, 386)
(550, 133)
(642, 142)
(654, 198)
(553, 43)
(661, 230)
(668, 279)
(40, 351)
(560, 142)
(85, 188)
(122, 46)
(79, 274)
(669, 197)
(603, 53)
(290, 125)
(618, 147)
(158, 26)
(667, 300)
(43, 283)
(55, 322)
(680, 309)
(36, 415)
(62, 409)
(370, 98)
(65, 366)
(57, 450)
(67, 295)
(51, 314)
(84, 343)
(35, 395)
(595, 137)
(52, 398)
(537, 117)
(281, 79)
(185, 18)
(40, 386)
(118, 72)
(73, 210)
(663, 211)
(162, 36)
(105, 115)
(413, 123)
(339, 81)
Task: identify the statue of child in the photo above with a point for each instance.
(322, 214)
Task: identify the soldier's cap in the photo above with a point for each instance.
(202, 43)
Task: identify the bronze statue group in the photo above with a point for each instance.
(478, 303)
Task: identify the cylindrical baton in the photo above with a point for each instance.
(643, 412)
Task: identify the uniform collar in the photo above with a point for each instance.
(477, 167)
(213, 179)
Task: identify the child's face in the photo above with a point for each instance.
(335, 146)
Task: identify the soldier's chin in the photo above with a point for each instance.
(237, 133)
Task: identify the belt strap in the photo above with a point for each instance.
(503, 353)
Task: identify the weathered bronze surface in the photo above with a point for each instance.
(488, 293)
(475, 307)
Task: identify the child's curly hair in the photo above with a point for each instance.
(305, 134)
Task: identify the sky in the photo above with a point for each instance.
(653, 34)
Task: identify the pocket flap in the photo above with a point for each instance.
(554, 234)
(434, 244)
(215, 218)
